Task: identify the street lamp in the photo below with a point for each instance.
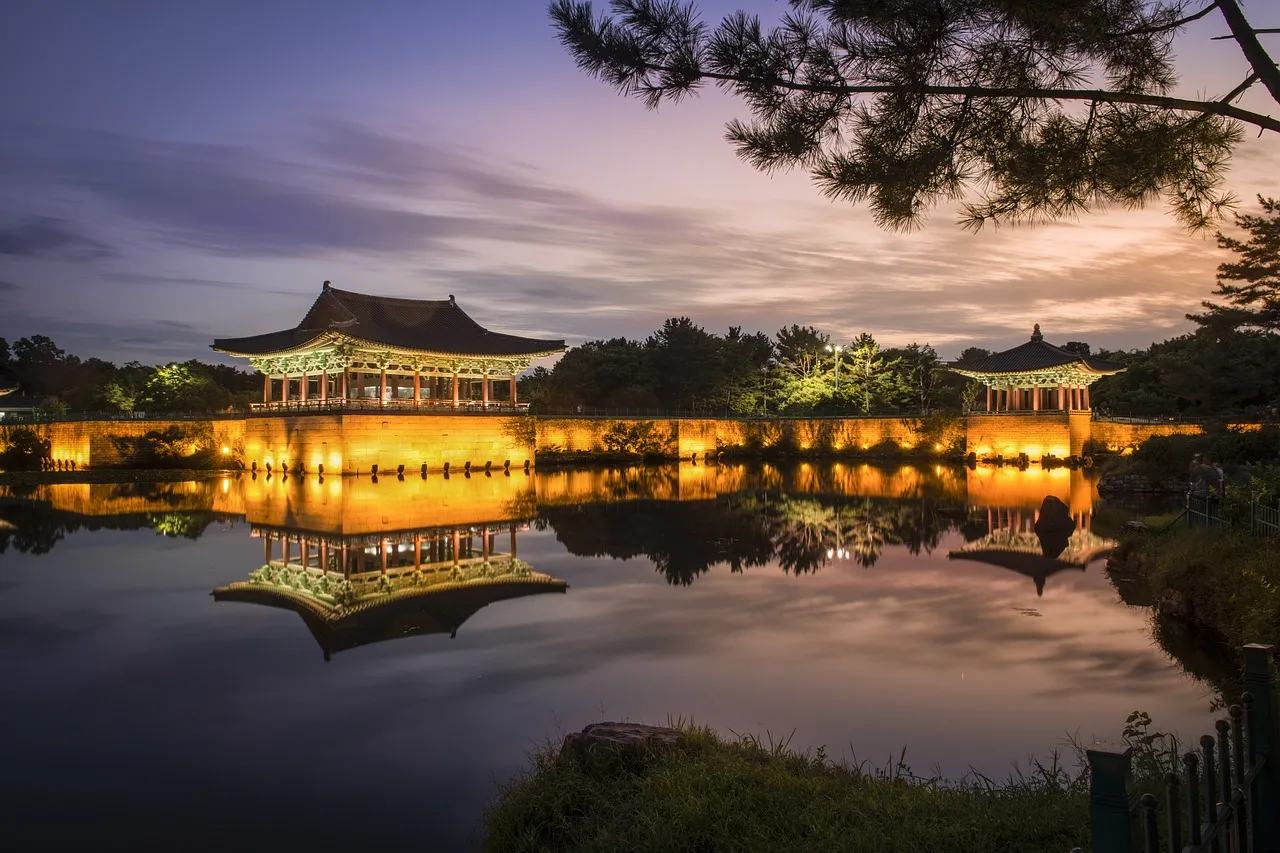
(837, 349)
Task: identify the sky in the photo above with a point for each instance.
(175, 172)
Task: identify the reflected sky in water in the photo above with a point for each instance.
(156, 714)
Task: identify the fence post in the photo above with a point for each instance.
(1110, 824)
(1264, 743)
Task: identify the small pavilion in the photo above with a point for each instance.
(1036, 376)
(352, 350)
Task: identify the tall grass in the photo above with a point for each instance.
(742, 794)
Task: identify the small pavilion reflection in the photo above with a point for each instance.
(1037, 543)
(353, 590)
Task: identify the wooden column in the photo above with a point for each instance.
(382, 546)
(302, 387)
(1035, 398)
(284, 550)
(513, 390)
(345, 372)
(382, 388)
(417, 386)
(324, 385)
(1085, 391)
(457, 543)
(455, 390)
(266, 387)
(266, 548)
(990, 392)
(417, 550)
(484, 390)
(513, 541)
(484, 543)
(324, 555)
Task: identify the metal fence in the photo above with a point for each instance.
(1207, 511)
(1226, 800)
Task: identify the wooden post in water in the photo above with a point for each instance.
(1110, 825)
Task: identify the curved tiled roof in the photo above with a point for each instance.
(414, 324)
(1034, 355)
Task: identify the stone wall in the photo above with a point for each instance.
(107, 444)
(1123, 437)
(350, 443)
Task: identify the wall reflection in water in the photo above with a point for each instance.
(362, 560)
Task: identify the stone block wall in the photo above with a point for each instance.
(1123, 437)
(350, 443)
(837, 434)
(1035, 434)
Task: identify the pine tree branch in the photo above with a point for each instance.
(1251, 47)
(1221, 108)
(1181, 22)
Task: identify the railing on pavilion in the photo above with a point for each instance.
(370, 405)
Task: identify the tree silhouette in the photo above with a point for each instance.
(1254, 303)
(1025, 111)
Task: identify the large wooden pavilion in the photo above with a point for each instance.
(352, 350)
(1036, 376)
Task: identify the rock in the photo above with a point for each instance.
(607, 746)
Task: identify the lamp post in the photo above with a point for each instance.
(837, 349)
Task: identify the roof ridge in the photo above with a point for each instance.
(338, 294)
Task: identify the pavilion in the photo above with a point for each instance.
(352, 350)
(1036, 377)
(353, 590)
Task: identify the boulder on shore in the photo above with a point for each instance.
(605, 746)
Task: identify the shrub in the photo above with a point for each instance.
(642, 437)
(51, 408)
(25, 450)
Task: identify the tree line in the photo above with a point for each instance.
(800, 370)
(60, 381)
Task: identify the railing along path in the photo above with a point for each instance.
(1228, 788)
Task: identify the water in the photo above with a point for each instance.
(815, 602)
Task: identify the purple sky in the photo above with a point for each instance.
(171, 172)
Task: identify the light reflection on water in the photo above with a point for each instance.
(823, 599)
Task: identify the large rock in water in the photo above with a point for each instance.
(606, 746)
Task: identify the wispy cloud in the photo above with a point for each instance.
(529, 254)
(47, 236)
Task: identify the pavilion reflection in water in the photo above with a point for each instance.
(353, 585)
(1035, 541)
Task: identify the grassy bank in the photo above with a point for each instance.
(1228, 583)
(731, 795)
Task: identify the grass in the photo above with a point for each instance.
(1228, 581)
(717, 794)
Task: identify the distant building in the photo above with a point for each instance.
(11, 403)
(1036, 377)
(352, 350)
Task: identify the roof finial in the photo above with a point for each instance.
(1035, 334)
(326, 285)
(451, 300)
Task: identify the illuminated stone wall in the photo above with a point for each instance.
(1122, 438)
(351, 443)
(834, 434)
(105, 444)
(355, 442)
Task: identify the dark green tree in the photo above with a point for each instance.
(803, 370)
(1023, 111)
(1250, 285)
(918, 375)
(744, 364)
(6, 359)
(871, 379)
(686, 363)
(1078, 347)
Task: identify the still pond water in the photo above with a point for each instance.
(163, 693)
